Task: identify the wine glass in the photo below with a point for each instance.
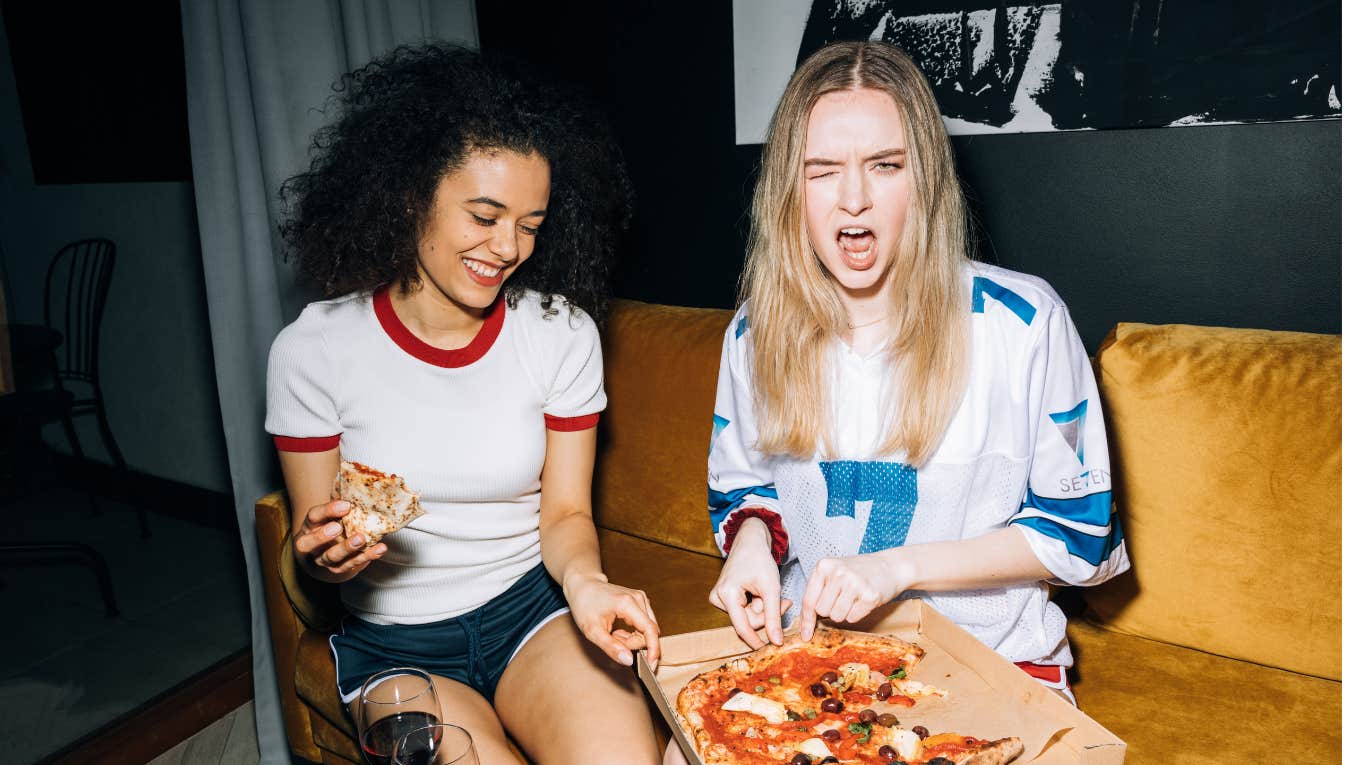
(394, 702)
(442, 744)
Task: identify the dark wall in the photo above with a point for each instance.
(84, 120)
(1233, 225)
(1236, 225)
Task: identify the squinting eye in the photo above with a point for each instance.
(819, 176)
(887, 167)
(483, 221)
(530, 230)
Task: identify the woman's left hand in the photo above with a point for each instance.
(597, 606)
(847, 589)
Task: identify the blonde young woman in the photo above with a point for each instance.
(893, 419)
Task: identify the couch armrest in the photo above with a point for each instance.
(273, 532)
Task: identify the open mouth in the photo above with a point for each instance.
(858, 247)
(481, 273)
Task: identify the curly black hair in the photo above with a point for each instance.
(354, 219)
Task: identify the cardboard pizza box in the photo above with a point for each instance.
(989, 697)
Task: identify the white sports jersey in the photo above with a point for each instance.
(1026, 448)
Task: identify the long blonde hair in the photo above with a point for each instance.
(794, 310)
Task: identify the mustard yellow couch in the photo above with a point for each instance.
(1223, 644)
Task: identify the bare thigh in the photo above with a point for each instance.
(565, 702)
(464, 707)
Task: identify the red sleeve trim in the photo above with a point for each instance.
(569, 424)
(318, 444)
(1053, 675)
(779, 538)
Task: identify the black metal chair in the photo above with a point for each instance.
(77, 289)
(67, 350)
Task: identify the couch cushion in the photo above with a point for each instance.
(661, 374)
(1227, 449)
(676, 581)
(1179, 705)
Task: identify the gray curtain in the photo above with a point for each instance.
(258, 73)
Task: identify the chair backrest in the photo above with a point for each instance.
(73, 304)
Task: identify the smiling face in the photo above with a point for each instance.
(482, 225)
(856, 188)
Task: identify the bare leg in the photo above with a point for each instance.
(565, 702)
(464, 707)
(673, 756)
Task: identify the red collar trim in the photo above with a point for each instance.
(440, 357)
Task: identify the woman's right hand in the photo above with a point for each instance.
(748, 587)
(324, 553)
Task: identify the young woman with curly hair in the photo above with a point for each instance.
(461, 219)
(894, 419)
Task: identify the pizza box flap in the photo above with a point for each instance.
(989, 697)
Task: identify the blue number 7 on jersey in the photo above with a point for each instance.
(890, 486)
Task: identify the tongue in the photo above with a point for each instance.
(856, 243)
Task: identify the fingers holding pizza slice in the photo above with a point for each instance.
(380, 503)
(807, 703)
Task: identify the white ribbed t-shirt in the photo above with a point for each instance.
(466, 428)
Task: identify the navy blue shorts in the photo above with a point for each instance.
(473, 648)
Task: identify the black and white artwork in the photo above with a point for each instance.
(1077, 64)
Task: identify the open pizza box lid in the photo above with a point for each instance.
(989, 697)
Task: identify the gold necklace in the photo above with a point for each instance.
(867, 323)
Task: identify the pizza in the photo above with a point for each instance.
(822, 701)
(379, 503)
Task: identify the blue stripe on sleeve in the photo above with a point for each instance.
(1077, 413)
(1092, 508)
(719, 423)
(741, 327)
(1018, 305)
(720, 505)
(1092, 549)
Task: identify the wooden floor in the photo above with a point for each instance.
(68, 671)
(229, 741)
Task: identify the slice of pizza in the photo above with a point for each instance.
(954, 749)
(379, 503)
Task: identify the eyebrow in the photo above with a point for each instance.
(821, 162)
(501, 206)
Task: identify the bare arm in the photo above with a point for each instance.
(571, 552)
(847, 589)
(996, 559)
(317, 544)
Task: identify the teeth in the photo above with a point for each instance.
(854, 231)
(481, 269)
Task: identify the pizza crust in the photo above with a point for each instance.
(380, 503)
(828, 640)
(998, 752)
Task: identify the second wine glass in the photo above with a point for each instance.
(436, 745)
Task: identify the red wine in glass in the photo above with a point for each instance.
(382, 736)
